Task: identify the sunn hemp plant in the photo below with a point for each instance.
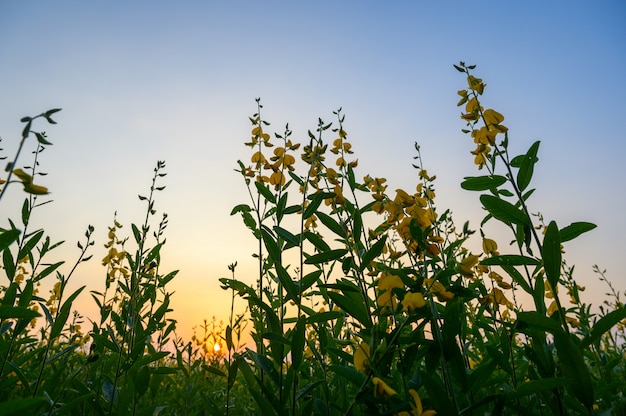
(369, 302)
(366, 301)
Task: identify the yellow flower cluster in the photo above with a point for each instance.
(280, 162)
(55, 295)
(114, 259)
(404, 210)
(438, 289)
(387, 300)
(484, 136)
(21, 271)
(342, 147)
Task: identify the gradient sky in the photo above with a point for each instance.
(158, 80)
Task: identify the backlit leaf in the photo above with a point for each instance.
(326, 256)
(574, 230)
(482, 183)
(503, 210)
(551, 253)
(527, 164)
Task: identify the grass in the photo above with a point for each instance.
(366, 302)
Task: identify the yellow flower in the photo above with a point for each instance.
(418, 410)
(572, 321)
(490, 247)
(381, 388)
(496, 297)
(362, 357)
(413, 301)
(386, 284)
(438, 290)
(467, 265)
(552, 308)
(277, 179)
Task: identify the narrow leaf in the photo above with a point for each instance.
(551, 253)
(332, 225)
(503, 210)
(373, 252)
(326, 256)
(574, 230)
(265, 191)
(482, 183)
(603, 325)
(527, 164)
(510, 260)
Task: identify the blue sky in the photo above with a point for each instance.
(169, 81)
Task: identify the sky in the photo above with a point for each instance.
(176, 81)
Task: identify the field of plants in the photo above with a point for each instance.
(367, 301)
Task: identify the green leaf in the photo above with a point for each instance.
(64, 313)
(503, 210)
(308, 280)
(539, 295)
(147, 359)
(326, 256)
(261, 398)
(572, 364)
(7, 238)
(349, 373)
(287, 236)
(316, 201)
(266, 365)
(9, 264)
(482, 183)
(373, 252)
(24, 301)
(538, 386)
(28, 246)
(49, 269)
(50, 112)
(69, 405)
(324, 316)
(288, 284)
(12, 312)
(9, 295)
(136, 233)
(352, 304)
(510, 260)
(153, 254)
(265, 191)
(458, 68)
(42, 139)
(213, 370)
(296, 178)
(357, 227)
(297, 342)
(240, 208)
(551, 253)
(527, 164)
(536, 320)
(25, 212)
(271, 245)
(22, 406)
(574, 230)
(603, 325)
(317, 241)
(332, 225)
(280, 207)
(517, 278)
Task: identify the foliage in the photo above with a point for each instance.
(373, 303)
(366, 302)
